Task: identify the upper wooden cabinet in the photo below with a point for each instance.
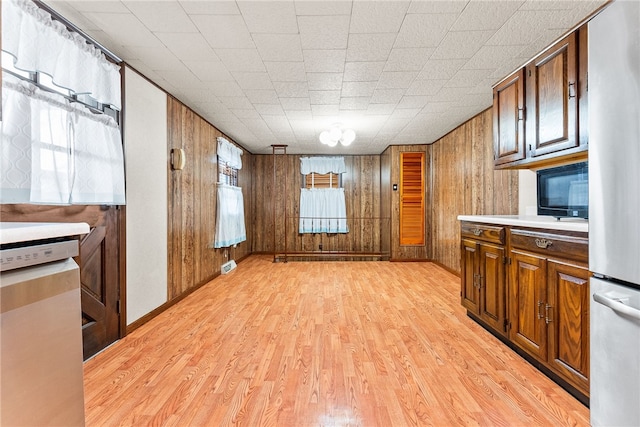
(540, 110)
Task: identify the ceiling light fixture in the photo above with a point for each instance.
(334, 135)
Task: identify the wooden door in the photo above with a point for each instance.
(412, 219)
(508, 119)
(469, 276)
(99, 278)
(492, 281)
(552, 94)
(527, 295)
(567, 317)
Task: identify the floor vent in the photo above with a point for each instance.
(228, 266)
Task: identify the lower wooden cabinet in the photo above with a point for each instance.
(532, 288)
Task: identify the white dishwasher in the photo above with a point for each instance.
(41, 326)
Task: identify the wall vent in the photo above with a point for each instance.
(228, 266)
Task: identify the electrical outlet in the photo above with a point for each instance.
(320, 247)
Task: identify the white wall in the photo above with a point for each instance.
(527, 192)
(146, 163)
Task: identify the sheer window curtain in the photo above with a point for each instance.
(322, 210)
(230, 227)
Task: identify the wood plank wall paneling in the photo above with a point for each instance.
(361, 184)
(465, 183)
(192, 260)
(386, 190)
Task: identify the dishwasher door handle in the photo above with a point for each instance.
(617, 306)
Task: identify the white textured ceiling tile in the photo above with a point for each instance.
(299, 115)
(210, 71)
(238, 102)
(291, 89)
(324, 32)
(413, 102)
(523, 27)
(142, 68)
(449, 94)
(200, 7)
(363, 71)
(225, 89)
(437, 7)
(125, 29)
(440, 69)
(405, 113)
(324, 60)
(77, 17)
(270, 109)
(356, 103)
(387, 96)
(377, 16)
(224, 31)
(381, 109)
(425, 87)
(322, 8)
(396, 79)
(259, 96)
(197, 94)
(295, 104)
(547, 5)
(182, 78)
(188, 46)
(156, 58)
(286, 71)
(249, 81)
(276, 17)
(319, 97)
(370, 47)
(278, 47)
(324, 81)
(162, 16)
(245, 113)
(491, 57)
(325, 110)
(246, 60)
(485, 15)
(408, 59)
(468, 78)
(351, 89)
(461, 44)
(424, 30)
(545, 38)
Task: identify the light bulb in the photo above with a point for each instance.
(333, 143)
(335, 133)
(348, 136)
(325, 138)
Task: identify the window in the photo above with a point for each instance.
(227, 174)
(319, 180)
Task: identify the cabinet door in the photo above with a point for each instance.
(567, 317)
(552, 93)
(412, 228)
(492, 291)
(527, 295)
(508, 120)
(469, 276)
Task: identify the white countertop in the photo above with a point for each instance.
(549, 222)
(12, 232)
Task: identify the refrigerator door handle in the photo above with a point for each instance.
(617, 306)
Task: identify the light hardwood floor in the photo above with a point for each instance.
(321, 344)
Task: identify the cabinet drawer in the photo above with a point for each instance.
(574, 247)
(488, 233)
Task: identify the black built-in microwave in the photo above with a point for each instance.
(564, 191)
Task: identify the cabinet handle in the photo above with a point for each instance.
(477, 232)
(520, 114)
(543, 243)
(572, 90)
(540, 305)
(547, 310)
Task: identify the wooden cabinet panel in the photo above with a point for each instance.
(567, 315)
(469, 293)
(563, 246)
(527, 296)
(492, 290)
(508, 119)
(412, 218)
(552, 105)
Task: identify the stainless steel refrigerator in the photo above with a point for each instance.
(614, 214)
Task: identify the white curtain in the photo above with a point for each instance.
(38, 43)
(322, 165)
(56, 152)
(230, 228)
(323, 210)
(229, 153)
